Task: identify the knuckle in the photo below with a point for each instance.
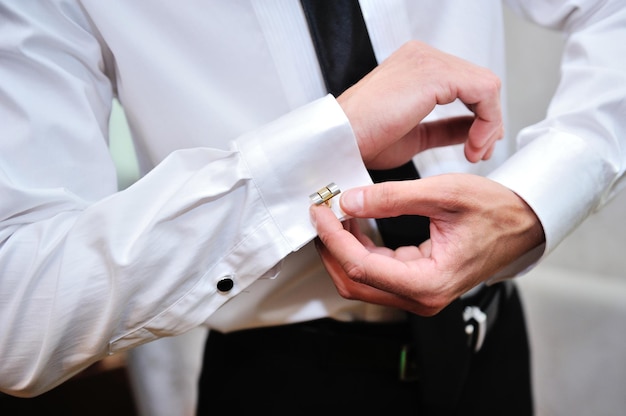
(452, 194)
(348, 286)
(345, 293)
(386, 198)
(413, 46)
(492, 82)
(355, 273)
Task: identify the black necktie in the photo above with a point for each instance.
(345, 54)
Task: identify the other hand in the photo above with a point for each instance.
(386, 107)
(477, 227)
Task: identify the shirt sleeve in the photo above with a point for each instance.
(571, 163)
(86, 270)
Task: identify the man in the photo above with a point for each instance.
(233, 133)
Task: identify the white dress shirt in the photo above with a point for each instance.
(233, 130)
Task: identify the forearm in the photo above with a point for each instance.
(145, 262)
(572, 162)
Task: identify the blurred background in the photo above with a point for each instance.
(575, 301)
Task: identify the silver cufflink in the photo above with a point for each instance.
(325, 194)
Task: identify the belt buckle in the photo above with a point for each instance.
(408, 364)
(481, 315)
(476, 326)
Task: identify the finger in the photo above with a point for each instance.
(489, 152)
(332, 233)
(458, 130)
(359, 264)
(444, 132)
(350, 289)
(347, 288)
(482, 97)
(477, 149)
(478, 136)
(432, 197)
(424, 136)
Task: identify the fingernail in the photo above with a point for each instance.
(352, 201)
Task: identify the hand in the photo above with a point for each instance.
(477, 227)
(386, 107)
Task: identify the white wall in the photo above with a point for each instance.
(576, 300)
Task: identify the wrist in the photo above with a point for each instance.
(349, 105)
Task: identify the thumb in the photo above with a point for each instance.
(427, 197)
(382, 200)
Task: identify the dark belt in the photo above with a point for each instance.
(324, 343)
(361, 345)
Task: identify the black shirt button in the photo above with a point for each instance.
(225, 284)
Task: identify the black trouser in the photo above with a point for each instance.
(326, 367)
